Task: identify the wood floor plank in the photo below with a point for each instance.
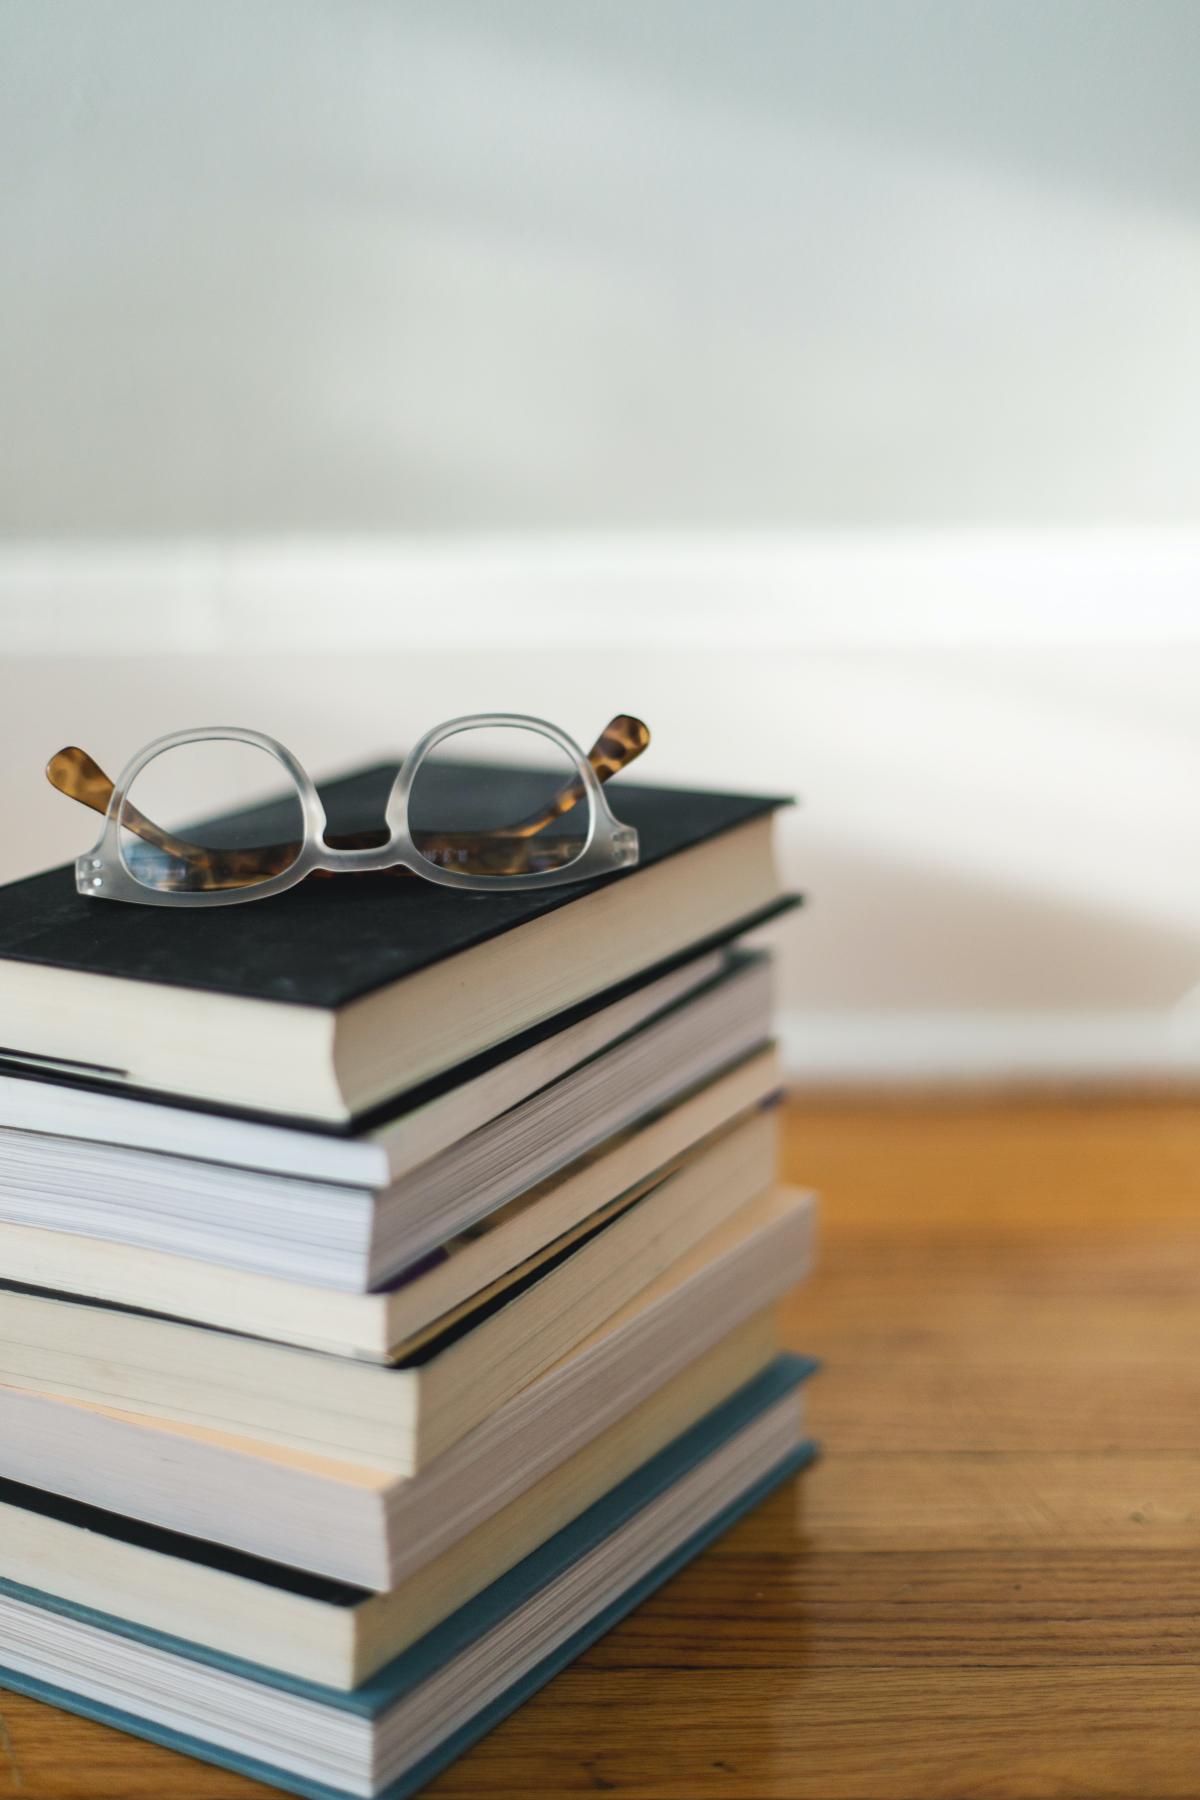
(879, 1500)
(818, 1734)
(940, 1406)
(871, 1611)
(1057, 1170)
(50, 1755)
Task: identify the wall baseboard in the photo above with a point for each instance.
(879, 1049)
(839, 590)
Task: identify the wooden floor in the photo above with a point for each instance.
(989, 1587)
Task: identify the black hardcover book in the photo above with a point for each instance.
(338, 995)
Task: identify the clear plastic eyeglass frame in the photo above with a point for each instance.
(607, 846)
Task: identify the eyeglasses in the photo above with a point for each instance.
(476, 821)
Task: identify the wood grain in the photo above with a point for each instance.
(989, 1589)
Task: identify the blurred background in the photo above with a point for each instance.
(819, 379)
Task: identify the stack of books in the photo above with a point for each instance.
(388, 1289)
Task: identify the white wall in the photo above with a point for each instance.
(372, 265)
(825, 367)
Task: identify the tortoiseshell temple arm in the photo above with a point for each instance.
(620, 743)
(74, 773)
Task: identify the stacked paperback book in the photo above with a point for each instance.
(388, 1289)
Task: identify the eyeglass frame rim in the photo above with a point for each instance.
(610, 845)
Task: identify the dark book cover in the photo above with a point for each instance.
(328, 942)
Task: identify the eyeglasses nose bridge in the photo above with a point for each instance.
(363, 859)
